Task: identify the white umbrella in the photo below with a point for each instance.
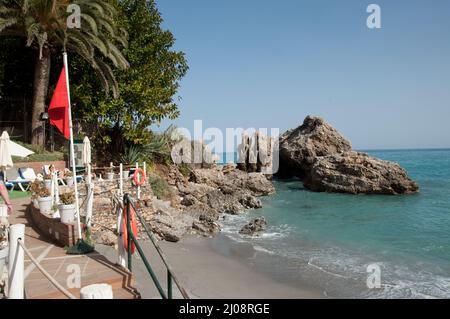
(90, 186)
(5, 152)
(19, 150)
(86, 151)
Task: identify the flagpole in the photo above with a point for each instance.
(72, 147)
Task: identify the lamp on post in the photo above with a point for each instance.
(44, 118)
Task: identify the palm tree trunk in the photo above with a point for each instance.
(41, 79)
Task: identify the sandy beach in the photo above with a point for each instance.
(206, 274)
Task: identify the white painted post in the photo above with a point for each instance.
(96, 291)
(121, 253)
(16, 262)
(121, 181)
(89, 203)
(145, 169)
(139, 187)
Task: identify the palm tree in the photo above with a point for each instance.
(44, 25)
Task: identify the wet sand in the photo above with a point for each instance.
(208, 269)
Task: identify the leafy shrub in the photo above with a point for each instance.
(160, 187)
(184, 170)
(132, 154)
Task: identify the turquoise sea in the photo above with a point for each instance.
(328, 241)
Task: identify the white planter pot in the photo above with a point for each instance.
(126, 174)
(45, 204)
(4, 253)
(48, 184)
(110, 176)
(67, 213)
(69, 181)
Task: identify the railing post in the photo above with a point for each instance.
(121, 253)
(127, 204)
(16, 262)
(169, 285)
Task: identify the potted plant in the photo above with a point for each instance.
(69, 177)
(131, 155)
(45, 200)
(110, 174)
(67, 207)
(48, 181)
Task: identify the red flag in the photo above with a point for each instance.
(58, 111)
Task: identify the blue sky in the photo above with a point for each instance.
(261, 63)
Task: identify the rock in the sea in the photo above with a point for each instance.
(319, 155)
(255, 153)
(358, 173)
(300, 147)
(254, 227)
(206, 226)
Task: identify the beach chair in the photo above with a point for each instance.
(28, 174)
(46, 171)
(12, 178)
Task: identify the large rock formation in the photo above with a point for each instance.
(256, 153)
(319, 155)
(358, 173)
(300, 147)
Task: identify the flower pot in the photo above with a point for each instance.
(45, 204)
(110, 176)
(48, 184)
(69, 181)
(67, 213)
(126, 174)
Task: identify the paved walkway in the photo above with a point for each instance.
(72, 272)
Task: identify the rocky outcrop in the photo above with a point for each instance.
(300, 147)
(223, 190)
(255, 227)
(256, 153)
(319, 155)
(358, 173)
(193, 153)
(199, 198)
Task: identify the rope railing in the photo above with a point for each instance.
(45, 273)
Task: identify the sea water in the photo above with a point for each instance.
(333, 241)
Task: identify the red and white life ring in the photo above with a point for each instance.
(139, 177)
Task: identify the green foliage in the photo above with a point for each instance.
(132, 154)
(159, 147)
(147, 90)
(160, 187)
(43, 23)
(184, 170)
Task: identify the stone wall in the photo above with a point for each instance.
(52, 228)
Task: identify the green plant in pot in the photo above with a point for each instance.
(44, 199)
(67, 207)
(131, 155)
